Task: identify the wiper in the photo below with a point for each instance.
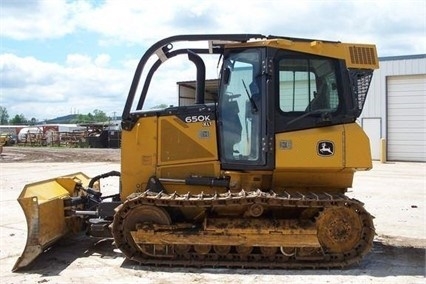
(253, 104)
(325, 115)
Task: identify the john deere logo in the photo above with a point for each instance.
(325, 148)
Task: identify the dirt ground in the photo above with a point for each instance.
(395, 193)
(58, 154)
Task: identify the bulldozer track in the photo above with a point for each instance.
(256, 257)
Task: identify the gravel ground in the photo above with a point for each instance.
(394, 193)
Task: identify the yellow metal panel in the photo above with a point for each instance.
(45, 191)
(51, 221)
(362, 56)
(358, 153)
(250, 180)
(181, 171)
(138, 155)
(332, 181)
(300, 149)
(186, 142)
(301, 164)
(56, 188)
(166, 141)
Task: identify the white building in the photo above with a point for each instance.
(395, 109)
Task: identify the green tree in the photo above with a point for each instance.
(4, 116)
(97, 116)
(100, 116)
(81, 118)
(33, 121)
(160, 106)
(18, 119)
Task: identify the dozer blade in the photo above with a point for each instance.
(43, 206)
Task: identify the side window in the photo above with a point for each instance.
(307, 85)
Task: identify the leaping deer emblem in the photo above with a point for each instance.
(324, 149)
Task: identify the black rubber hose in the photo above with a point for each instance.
(109, 174)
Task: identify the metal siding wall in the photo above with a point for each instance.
(372, 128)
(377, 101)
(374, 101)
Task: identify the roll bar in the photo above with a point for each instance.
(163, 49)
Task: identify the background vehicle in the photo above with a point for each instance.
(7, 139)
(257, 178)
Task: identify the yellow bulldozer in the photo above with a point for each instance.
(250, 170)
(5, 140)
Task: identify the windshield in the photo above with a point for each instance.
(239, 106)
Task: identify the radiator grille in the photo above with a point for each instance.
(362, 55)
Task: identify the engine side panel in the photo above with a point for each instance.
(173, 144)
(320, 157)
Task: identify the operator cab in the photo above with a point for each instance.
(265, 91)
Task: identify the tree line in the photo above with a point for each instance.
(20, 119)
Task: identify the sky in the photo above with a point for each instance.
(60, 57)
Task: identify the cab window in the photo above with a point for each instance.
(307, 85)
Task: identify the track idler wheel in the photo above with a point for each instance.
(128, 218)
(339, 229)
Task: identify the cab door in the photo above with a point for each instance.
(243, 140)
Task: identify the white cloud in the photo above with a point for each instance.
(128, 22)
(102, 60)
(46, 90)
(35, 19)
(75, 60)
(86, 82)
(17, 72)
